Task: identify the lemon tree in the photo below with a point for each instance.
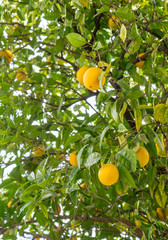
(83, 119)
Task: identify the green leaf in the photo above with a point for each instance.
(39, 176)
(79, 159)
(134, 46)
(29, 212)
(126, 177)
(152, 173)
(134, 31)
(103, 9)
(44, 210)
(102, 135)
(114, 112)
(92, 159)
(25, 206)
(127, 158)
(120, 187)
(40, 218)
(161, 113)
(134, 94)
(123, 33)
(16, 174)
(125, 13)
(47, 194)
(72, 173)
(76, 39)
(138, 118)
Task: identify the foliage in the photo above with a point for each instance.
(50, 40)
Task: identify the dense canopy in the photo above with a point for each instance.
(59, 126)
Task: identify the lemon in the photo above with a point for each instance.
(143, 156)
(108, 174)
(39, 150)
(21, 74)
(8, 55)
(141, 63)
(113, 22)
(91, 78)
(80, 73)
(73, 159)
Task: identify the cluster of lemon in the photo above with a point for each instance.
(7, 54)
(108, 174)
(21, 73)
(89, 77)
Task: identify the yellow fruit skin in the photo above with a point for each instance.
(80, 73)
(108, 174)
(21, 75)
(143, 156)
(141, 63)
(73, 159)
(8, 55)
(160, 214)
(39, 150)
(113, 22)
(91, 80)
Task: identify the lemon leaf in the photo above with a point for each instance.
(161, 198)
(92, 159)
(138, 119)
(126, 177)
(161, 113)
(123, 33)
(102, 135)
(79, 159)
(76, 39)
(127, 158)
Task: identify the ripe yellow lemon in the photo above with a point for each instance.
(141, 63)
(160, 213)
(21, 74)
(143, 156)
(39, 150)
(80, 73)
(8, 55)
(73, 159)
(91, 78)
(114, 22)
(162, 152)
(108, 174)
